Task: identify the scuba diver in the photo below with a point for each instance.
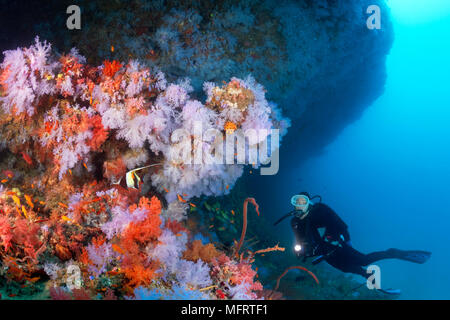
(320, 233)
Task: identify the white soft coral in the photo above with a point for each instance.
(27, 80)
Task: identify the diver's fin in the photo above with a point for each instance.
(391, 291)
(415, 256)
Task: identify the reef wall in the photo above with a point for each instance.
(75, 125)
(317, 59)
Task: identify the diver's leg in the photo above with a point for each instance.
(416, 256)
(347, 260)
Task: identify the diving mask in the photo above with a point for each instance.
(301, 202)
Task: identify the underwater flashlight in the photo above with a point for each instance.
(297, 248)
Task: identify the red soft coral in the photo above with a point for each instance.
(114, 169)
(136, 266)
(26, 236)
(110, 68)
(99, 133)
(148, 229)
(6, 233)
(245, 273)
(4, 75)
(175, 226)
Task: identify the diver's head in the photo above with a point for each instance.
(301, 202)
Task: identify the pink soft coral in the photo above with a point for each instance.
(239, 275)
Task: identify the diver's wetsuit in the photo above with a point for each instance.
(333, 244)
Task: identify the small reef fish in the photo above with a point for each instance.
(29, 201)
(35, 279)
(118, 249)
(24, 211)
(67, 219)
(63, 205)
(16, 200)
(180, 199)
(132, 179)
(27, 158)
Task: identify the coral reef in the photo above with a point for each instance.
(99, 196)
(73, 214)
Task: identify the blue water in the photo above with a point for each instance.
(387, 175)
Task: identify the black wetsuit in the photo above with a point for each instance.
(333, 244)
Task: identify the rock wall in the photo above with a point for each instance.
(317, 59)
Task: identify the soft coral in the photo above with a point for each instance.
(148, 229)
(110, 68)
(6, 233)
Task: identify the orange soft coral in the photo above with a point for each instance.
(197, 251)
(139, 275)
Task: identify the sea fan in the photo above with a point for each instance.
(59, 294)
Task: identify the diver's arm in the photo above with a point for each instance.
(336, 228)
(339, 233)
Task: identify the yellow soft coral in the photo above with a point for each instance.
(231, 95)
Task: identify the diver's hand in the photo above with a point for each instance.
(342, 240)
